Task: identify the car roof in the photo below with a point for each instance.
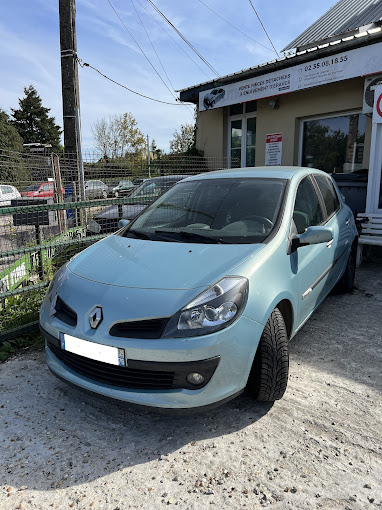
(269, 172)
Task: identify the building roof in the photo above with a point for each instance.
(344, 17)
(326, 48)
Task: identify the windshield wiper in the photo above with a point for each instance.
(194, 235)
(138, 234)
(153, 237)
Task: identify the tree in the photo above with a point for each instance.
(33, 122)
(118, 136)
(184, 141)
(9, 136)
(155, 151)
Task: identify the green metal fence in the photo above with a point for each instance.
(49, 218)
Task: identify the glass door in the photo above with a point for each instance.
(242, 142)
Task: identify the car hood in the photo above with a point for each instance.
(127, 262)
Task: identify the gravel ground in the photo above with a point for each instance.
(319, 447)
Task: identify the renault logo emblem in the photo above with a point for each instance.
(95, 317)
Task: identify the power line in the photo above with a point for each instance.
(258, 17)
(84, 64)
(233, 26)
(172, 38)
(152, 45)
(184, 39)
(148, 37)
(136, 42)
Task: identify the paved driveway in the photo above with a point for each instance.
(319, 447)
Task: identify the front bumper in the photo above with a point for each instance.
(226, 354)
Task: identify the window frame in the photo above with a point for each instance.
(243, 117)
(319, 198)
(333, 115)
(329, 179)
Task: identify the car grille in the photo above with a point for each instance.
(148, 329)
(64, 313)
(114, 375)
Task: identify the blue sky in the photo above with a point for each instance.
(30, 53)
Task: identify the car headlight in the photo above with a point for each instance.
(214, 309)
(52, 293)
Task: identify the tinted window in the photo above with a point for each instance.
(307, 210)
(328, 193)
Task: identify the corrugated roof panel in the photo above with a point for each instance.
(344, 16)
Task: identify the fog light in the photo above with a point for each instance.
(195, 378)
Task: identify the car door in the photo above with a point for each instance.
(338, 219)
(310, 264)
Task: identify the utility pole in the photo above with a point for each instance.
(69, 74)
(70, 90)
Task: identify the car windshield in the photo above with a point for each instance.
(32, 187)
(231, 210)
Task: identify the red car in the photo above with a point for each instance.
(43, 190)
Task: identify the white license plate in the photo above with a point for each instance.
(92, 350)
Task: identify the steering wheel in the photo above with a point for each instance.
(259, 219)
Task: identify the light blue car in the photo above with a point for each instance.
(196, 299)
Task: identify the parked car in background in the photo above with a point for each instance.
(197, 298)
(96, 189)
(106, 221)
(123, 188)
(8, 193)
(43, 190)
(138, 181)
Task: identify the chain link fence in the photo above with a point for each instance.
(50, 210)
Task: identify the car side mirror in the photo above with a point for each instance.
(312, 235)
(122, 223)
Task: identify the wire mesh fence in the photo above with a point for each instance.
(52, 207)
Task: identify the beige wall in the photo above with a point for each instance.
(294, 107)
(209, 134)
(212, 134)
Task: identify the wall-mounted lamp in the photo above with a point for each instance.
(273, 103)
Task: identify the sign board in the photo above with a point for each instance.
(377, 110)
(341, 66)
(273, 149)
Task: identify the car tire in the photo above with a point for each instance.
(268, 379)
(346, 282)
(104, 194)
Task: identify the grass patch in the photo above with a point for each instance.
(33, 341)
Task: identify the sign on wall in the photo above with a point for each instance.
(342, 66)
(273, 149)
(377, 111)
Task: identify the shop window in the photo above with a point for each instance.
(251, 107)
(334, 144)
(236, 109)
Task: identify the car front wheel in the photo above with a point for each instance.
(269, 374)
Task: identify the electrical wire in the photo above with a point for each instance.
(85, 64)
(266, 33)
(172, 38)
(183, 37)
(136, 42)
(159, 60)
(233, 26)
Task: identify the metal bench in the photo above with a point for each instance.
(370, 231)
